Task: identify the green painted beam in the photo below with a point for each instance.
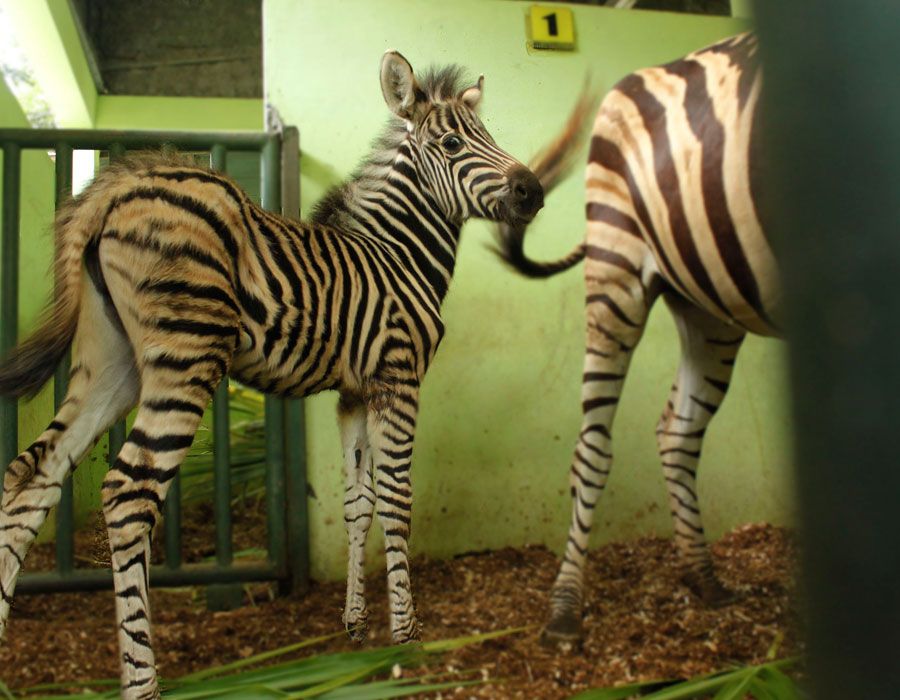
(179, 113)
(9, 294)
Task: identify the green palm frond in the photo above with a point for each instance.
(350, 675)
(247, 450)
(762, 682)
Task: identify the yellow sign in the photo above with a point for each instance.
(552, 27)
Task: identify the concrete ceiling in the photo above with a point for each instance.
(196, 48)
(213, 48)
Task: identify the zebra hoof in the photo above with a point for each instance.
(563, 632)
(357, 630)
(710, 590)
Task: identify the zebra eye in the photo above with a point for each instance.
(452, 143)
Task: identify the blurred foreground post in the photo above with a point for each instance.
(832, 114)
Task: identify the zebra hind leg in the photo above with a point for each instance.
(708, 351)
(617, 305)
(103, 386)
(359, 505)
(177, 383)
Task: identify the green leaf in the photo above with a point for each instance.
(736, 688)
(257, 658)
(730, 684)
(333, 676)
(779, 685)
(384, 690)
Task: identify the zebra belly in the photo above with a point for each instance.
(286, 360)
(749, 299)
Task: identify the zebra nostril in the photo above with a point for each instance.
(526, 195)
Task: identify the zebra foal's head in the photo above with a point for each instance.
(453, 155)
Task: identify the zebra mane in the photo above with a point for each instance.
(440, 84)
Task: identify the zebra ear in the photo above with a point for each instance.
(472, 96)
(401, 92)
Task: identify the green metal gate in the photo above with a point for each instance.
(285, 482)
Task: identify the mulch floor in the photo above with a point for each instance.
(641, 622)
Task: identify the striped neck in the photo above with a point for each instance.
(385, 200)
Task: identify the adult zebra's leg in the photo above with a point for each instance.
(708, 351)
(391, 427)
(359, 504)
(103, 385)
(617, 305)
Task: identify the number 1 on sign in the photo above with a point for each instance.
(551, 24)
(552, 27)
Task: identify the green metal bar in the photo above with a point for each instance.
(218, 157)
(270, 164)
(297, 531)
(222, 474)
(295, 478)
(116, 440)
(270, 171)
(117, 150)
(172, 524)
(9, 296)
(162, 576)
(65, 510)
(117, 431)
(230, 595)
(275, 503)
(101, 139)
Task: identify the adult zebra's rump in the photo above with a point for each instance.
(672, 187)
(169, 278)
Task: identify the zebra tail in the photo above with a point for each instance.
(551, 166)
(28, 366)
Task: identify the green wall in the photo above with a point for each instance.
(500, 407)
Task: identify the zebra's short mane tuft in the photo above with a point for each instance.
(440, 84)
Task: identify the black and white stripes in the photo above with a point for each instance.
(190, 281)
(672, 211)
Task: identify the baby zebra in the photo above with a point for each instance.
(187, 281)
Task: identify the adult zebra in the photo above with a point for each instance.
(190, 281)
(672, 211)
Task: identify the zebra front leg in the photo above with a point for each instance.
(708, 351)
(617, 305)
(359, 504)
(391, 428)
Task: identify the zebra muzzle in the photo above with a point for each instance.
(526, 195)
